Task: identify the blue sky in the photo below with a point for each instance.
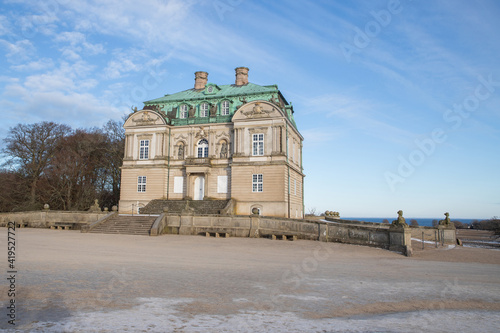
(398, 101)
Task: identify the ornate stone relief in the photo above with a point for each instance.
(222, 134)
(146, 119)
(257, 111)
(201, 133)
(180, 136)
(258, 130)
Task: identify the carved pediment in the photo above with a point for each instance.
(145, 117)
(256, 110)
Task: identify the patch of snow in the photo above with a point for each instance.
(161, 315)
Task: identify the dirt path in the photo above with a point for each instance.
(73, 282)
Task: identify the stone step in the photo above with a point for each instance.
(126, 225)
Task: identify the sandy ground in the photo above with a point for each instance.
(73, 282)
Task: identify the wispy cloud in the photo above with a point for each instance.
(18, 51)
(33, 66)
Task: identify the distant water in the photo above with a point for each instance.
(424, 222)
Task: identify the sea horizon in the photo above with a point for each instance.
(422, 221)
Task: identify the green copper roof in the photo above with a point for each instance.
(215, 95)
(221, 91)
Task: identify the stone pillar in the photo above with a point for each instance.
(240, 141)
(188, 181)
(235, 141)
(205, 189)
(447, 234)
(129, 144)
(400, 240)
(254, 226)
(283, 140)
(276, 140)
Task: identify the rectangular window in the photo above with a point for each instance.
(144, 150)
(178, 184)
(257, 183)
(295, 186)
(221, 184)
(225, 108)
(204, 110)
(184, 111)
(258, 144)
(141, 184)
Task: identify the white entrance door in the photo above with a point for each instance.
(199, 188)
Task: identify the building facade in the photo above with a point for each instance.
(237, 141)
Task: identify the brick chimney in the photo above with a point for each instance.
(200, 80)
(241, 76)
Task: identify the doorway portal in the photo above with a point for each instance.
(199, 188)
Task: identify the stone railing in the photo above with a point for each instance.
(392, 238)
(198, 161)
(49, 218)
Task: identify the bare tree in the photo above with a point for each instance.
(14, 190)
(385, 221)
(312, 211)
(31, 148)
(77, 175)
(413, 223)
(114, 151)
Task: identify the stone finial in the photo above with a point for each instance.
(241, 76)
(400, 221)
(46, 207)
(200, 80)
(114, 208)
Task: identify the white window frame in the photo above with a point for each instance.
(183, 111)
(257, 183)
(143, 149)
(202, 148)
(204, 110)
(178, 184)
(258, 144)
(141, 184)
(222, 184)
(224, 108)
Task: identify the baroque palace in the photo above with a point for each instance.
(216, 142)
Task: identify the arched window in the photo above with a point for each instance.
(225, 108)
(203, 148)
(184, 111)
(204, 110)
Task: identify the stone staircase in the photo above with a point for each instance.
(198, 207)
(126, 225)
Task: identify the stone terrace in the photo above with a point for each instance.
(199, 207)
